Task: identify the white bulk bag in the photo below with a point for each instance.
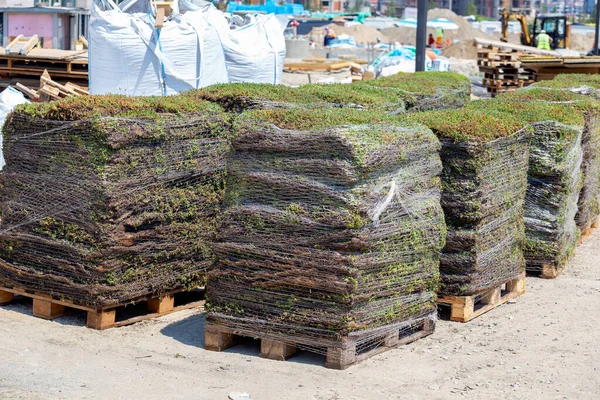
(128, 55)
(254, 51)
(9, 99)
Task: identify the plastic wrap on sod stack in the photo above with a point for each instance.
(484, 179)
(130, 55)
(424, 91)
(107, 200)
(555, 174)
(331, 238)
(563, 89)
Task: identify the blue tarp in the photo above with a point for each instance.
(270, 8)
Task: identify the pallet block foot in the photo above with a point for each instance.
(6, 297)
(161, 305)
(275, 350)
(47, 310)
(216, 339)
(101, 319)
(550, 272)
(340, 358)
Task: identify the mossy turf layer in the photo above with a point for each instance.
(410, 92)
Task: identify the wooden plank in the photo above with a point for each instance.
(77, 89)
(26, 91)
(14, 42)
(133, 320)
(84, 41)
(502, 45)
(160, 18)
(30, 44)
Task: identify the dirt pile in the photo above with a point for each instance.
(362, 34)
(582, 42)
(465, 30)
(465, 49)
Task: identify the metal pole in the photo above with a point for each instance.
(421, 34)
(596, 33)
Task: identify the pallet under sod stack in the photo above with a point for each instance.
(331, 236)
(556, 173)
(109, 200)
(484, 179)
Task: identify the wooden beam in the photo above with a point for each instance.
(30, 44)
(83, 40)
(15, 41)
(26, 91)
(160, 18)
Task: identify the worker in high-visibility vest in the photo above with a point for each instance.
(543, 41)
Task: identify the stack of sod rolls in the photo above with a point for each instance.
(557, 193)
(332, 230)
(106, 199)
(484, 181)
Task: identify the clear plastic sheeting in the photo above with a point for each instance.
(331, 236)
(106, 210)
(554, 183)
(484, 186)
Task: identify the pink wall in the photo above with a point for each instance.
(30, 24)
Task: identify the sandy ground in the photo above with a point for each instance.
(544, 345)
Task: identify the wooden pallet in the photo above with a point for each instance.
(48, 307)
(465, 308)
(498, 64)
(587, 232)
(501, 83)
(219, 338)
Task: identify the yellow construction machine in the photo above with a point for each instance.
(555, 25)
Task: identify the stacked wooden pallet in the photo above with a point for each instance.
(22, 62)
(50, 90)
(547, 67)
(502, 69)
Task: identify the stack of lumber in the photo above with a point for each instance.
(329, 65)
(22, 62)
(547, 67)
(502, 69)
(50, 90)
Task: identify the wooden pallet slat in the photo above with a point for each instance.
(465, 308)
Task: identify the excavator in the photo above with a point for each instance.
(555, 25)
